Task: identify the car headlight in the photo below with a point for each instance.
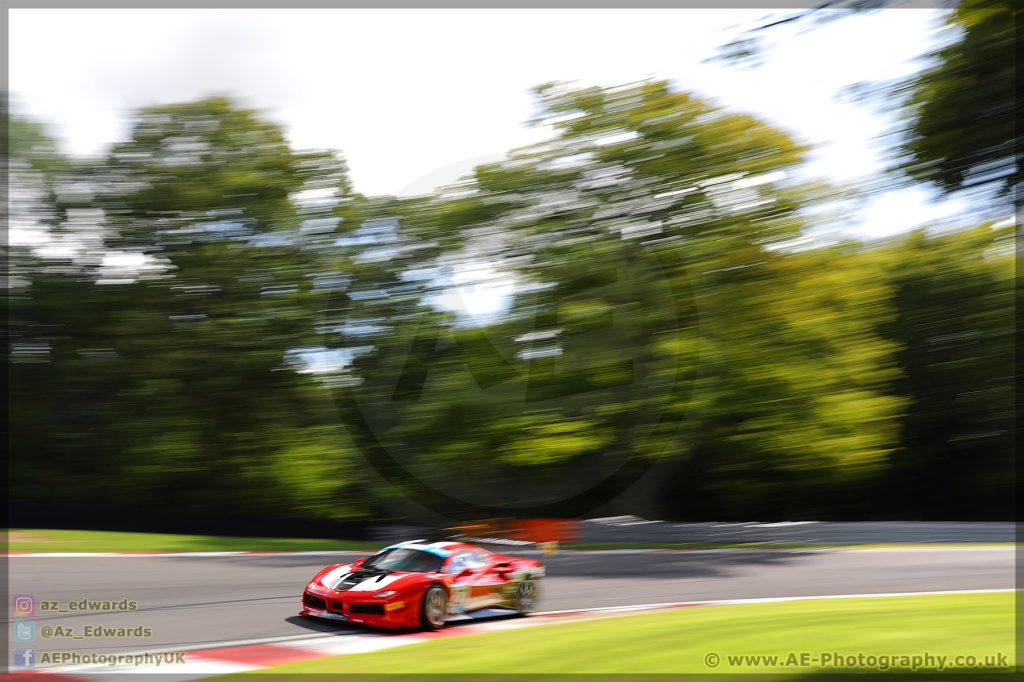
(386, 593)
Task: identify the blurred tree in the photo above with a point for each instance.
(189, 357)
(958, 114)
(797, 398)
(749, 48)
(52, 261)
(792, 389)
(961, 111)
(182, 310)
(646, 240)
(955, 325)
(953, 296)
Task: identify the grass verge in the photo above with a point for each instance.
(685, 641)
(34, 540)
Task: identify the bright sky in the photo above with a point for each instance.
(415, 98)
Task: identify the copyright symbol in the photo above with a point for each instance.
(711, 660)
(46, 631)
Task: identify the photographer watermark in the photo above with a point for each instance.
(838, 660)
(30, 657)
(27, 605)
(26, 631)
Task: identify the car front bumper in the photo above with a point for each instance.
(397, 613)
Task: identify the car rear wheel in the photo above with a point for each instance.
(526, 596)
(435, 608)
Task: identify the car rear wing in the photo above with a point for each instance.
(545, 548)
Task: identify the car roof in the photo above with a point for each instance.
(443, 549)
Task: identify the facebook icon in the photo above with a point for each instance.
(24, 657)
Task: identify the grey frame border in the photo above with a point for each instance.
(767, 5)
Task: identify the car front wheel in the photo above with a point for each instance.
(435, 608)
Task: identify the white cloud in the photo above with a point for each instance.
(425, 94)
(894, 212)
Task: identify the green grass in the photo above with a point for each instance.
(34, 540)
(678, 641)
(590, 546)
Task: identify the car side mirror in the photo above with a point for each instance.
(466, 572)
(358, 562)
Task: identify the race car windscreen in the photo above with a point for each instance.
(411, 560)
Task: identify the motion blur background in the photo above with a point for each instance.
(738, 265)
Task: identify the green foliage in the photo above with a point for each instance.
(957, 115)
(650, 232)
(46, 540)
(962, 110)
(955, 326)
(278, 334)
(554, 441)
(172, 388)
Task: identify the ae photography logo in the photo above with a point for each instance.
(837, 660)
(28, 657)
(552, 406)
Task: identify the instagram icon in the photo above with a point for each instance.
(24, 605)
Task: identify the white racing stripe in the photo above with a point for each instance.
(375, 584)
(332, 579)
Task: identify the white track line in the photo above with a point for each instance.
(355, 645)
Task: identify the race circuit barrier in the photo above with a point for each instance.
(522, 530)
(633, 529)
(626, 529)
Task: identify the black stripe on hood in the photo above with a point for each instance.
(359, 576)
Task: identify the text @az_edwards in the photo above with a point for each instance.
(860, 660)
(86, 605)
(95, 632)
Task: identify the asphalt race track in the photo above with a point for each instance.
(195, 601)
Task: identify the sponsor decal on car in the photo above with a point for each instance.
(457, 603)
(327, 614)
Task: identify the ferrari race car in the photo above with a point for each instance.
(415, 584)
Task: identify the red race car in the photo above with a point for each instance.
(416, 584)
